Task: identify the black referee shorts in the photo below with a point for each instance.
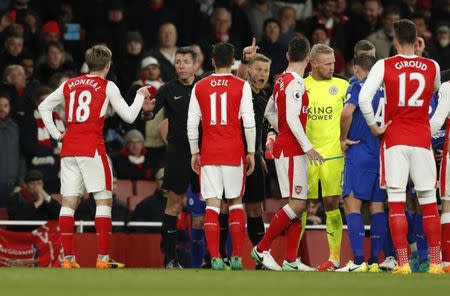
(178, 172)
(255, 188)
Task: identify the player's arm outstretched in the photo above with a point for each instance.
(374, 80)
(294, 95)
(46, 110)
(248, 119)
(194, 117)
(247, 55)
(442, 110)
(127, 113)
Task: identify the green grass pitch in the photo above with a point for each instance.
(159, 282)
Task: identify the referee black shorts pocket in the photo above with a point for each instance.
(177, 172)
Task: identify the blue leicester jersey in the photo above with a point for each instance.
(366, 154)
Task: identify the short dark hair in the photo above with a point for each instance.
(391, 9)
(187, 50)
(405, 32)
(365, 61)
(363, 45)
(271, 20)
(223, 54)
(97, 57)
(54, 43)
(298, 49)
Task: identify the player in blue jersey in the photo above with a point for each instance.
(361, 172)
(362, 47)
(196, 208)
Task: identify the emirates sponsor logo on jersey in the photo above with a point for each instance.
(333, 90)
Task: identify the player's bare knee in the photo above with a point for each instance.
(253, 209)
(426, 196)
(376, 207)
(445, 205)
(234, 201)
(70, 202)
(297, 206)
(213, 202)
(331, 203)
(103, 198)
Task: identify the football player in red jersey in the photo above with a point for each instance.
(223, 103)
(287, 112)
(409, 82)
(84, 163)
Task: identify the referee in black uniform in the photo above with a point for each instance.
(174, 96)
(256, 68)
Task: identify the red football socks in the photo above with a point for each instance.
(432, 230)
(212, 234)
(279, 223)
(399, 230)
(236, 225)
(292, 240)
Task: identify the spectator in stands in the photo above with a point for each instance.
(200, 60)
(286, 17)
(360, 26)
(149, 16)
(40, 150)
(327, 16)
(11, 165)
(120, 212)
(32, 202)
(27, 62)
(382, 39)
(133, 162)
(271, 47)
(15, 86)
(443, 46)
(303, 9)
(12, 51)
(51, 31)
(219, 32)
(165, 53)
(240, 25)
(55, 60)
(150, 76)
(258, 11)
(420, 21)
(129, 66)
(319, 36)
(113, 32)
(315, 214)
(151, 209)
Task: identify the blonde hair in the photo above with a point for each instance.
(259, 58)
(10, 70)
(97, 57)
(319, 49)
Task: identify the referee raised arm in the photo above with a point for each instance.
(174, 96)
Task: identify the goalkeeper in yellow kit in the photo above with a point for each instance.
(326, 100)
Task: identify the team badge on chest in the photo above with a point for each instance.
(333, 90)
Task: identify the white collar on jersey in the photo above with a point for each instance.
(221, 74)
(407, 56)
(295, 74)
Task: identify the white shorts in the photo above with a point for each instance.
(444, 178)
(91, 174)
(292, 175)
(400, 162)
(214, 179)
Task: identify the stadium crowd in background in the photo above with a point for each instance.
(44, 43)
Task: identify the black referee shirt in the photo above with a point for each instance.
(259, 106)
(174, 96)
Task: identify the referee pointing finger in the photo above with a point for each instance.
(174, 96)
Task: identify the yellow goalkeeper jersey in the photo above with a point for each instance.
(326, 101)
